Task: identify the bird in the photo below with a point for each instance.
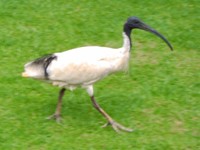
(84, 66)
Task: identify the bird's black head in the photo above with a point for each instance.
(136, 23)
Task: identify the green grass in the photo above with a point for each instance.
(158, 97)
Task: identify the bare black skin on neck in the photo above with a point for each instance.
(127, 30)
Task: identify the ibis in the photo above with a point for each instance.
(84, 66)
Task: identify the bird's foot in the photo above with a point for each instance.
(117, 127)
(57, 117)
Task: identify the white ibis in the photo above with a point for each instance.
(85, 66)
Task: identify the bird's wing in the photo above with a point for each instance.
(83, 65)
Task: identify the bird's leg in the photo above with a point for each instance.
(116, 126)
(57, 113)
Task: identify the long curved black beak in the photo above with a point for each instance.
(149, 29)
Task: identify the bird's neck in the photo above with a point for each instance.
(127, 44)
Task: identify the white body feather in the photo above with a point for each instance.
(86, 65)
(82, 66)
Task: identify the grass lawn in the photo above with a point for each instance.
(158, 97)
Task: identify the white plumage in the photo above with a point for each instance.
(86, 65)
(83, 66)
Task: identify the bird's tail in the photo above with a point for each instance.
(38, 68)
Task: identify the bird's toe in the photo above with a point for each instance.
(117, 127)
(56, 117)
(105, 125)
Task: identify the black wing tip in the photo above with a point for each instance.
(42, 59)
(44, 62)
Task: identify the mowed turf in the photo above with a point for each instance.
(158, 97)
